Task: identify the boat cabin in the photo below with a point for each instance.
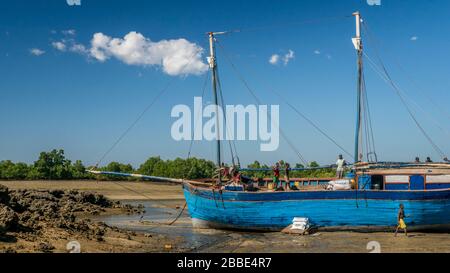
(403, 176)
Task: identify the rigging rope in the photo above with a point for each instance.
(369, 136)
(146, 109)
(373, 41)
(190, 151)
(230, 141)
(122, 136)
(198, 114)
(437, 123)
(442, 110)
(188, 157)
(258, 101)
(143, 195)
(386, 77)
(189, 154)
(363, 106)
(399, 91)
(312, 123)
(290, 105)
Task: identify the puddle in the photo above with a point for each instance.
(157, 216)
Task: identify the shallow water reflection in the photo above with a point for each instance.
(156, 219)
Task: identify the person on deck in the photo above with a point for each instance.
(429, 160)
(417, 160)
(237, 176)
(340, 167)
(287, 170)
(446, 160)
(401, 220)
(276, 175)
(225, 171)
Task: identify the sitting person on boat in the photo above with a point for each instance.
(236, 176)
(225, 170)
(429, 160)
(340, 167)
(220, 172)
(239, 182)
(417, 160)
(235, 183)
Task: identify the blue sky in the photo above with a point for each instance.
(64, 99)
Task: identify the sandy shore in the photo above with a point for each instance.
(333, 242)
(112, 190)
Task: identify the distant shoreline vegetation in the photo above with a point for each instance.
(53, 165)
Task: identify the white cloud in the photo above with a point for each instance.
(70, 45)
(59, 46)
(288, 57)
(274, 59)
(36, 52)
(69, 32)
(317, 52)
(414, 38)
(79, 48)
(176, 57)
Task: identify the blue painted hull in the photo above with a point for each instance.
(274, 211)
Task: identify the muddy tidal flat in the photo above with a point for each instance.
(45, 216)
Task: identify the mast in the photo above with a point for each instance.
(213, 66)
(357, 42)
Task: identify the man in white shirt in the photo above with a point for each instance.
(340, 167)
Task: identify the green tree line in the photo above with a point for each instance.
(54, 165)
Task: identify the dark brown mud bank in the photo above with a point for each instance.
(34, 220)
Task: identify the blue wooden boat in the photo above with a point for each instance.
(372, 204)
(424, 196)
